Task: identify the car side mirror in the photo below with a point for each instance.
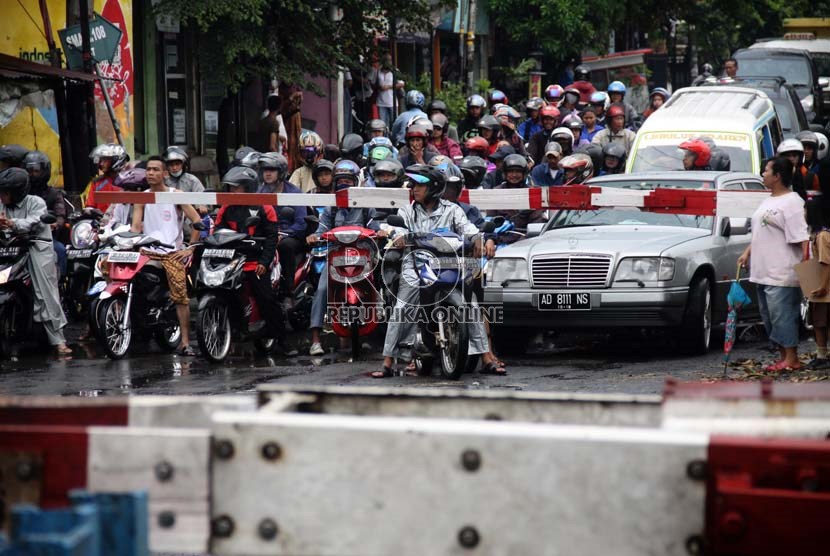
(251, 221)
(824, 82)
(535, 229)
(735, 226)
(396, 221)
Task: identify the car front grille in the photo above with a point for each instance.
(570, 271)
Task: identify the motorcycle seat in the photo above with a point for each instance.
(221, 238)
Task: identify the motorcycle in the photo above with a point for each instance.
(136, 298)
(80, 260)
(352, 260)
(227, 308)
(438, 260)
(306, 279)
(16, 293)
(105, 240)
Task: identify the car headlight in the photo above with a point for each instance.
(82, 235)
(501, 269)
(645, 269)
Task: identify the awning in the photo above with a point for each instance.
(18, 68)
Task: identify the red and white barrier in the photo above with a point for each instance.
(675, 201)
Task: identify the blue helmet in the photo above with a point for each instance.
(415, 99)
(660, 91)
(346, 174)
(616, 87)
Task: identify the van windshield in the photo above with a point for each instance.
(794, 69)
(660, 158)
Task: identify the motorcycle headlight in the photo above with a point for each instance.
(501, 269)
(645, 269)
(213, 278)
(82, 235)
(4, 274)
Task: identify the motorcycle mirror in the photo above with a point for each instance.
(252, 221)
(48, 218)
(286, 213)
(200, 226)
(396, 221)
(489, 227)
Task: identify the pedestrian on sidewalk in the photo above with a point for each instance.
(779, 242)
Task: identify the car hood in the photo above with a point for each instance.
(611, 240)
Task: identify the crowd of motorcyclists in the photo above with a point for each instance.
(565, 138)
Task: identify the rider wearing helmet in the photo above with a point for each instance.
(455, 185)
(376, 142)
(577, 168)
(582, 83)
(616, 93)
(11, 156)
(351, 148)
(438, 106)
(495, 177)
(490, 128)
(574, 123)
(553, 94)
(565, 138)
(427, 213)
(532, 123)
(311, 150)
(570, 101)
(656, 99)
(613, 159)
(322, 174)
(515, 177)
(415, 102)
(416, 151)
(177, 164)
(615, 131)
(388, 173)
(696, 154)
(39, 168)
(440, 140)
(593, 151)
(110, 159)
(473, 168)
(549, 116)
(376, 128)
(477, 146)
(547, 172)
(707, 71)
(468, 127)
(508, 117)
(21, 212)
(809, 140)
(257, 266)
(599, 102)
(793, 150)
(497, 97)
(245, 156)
(377, 154)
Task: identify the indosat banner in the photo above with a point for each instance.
(27, 111)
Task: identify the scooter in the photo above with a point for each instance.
(16, 294)
(136, 298)
(305, 283)
(227, 308)
(80, 260)
(352, 261)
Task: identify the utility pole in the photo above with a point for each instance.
(471, 46)
(86, 51)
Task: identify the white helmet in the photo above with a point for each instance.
(823, 146)
(564, 133)
(790, 146)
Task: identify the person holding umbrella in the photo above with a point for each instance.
(779, 242)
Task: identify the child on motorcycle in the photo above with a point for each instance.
(21, 213)
(346, 174)
(245, 180)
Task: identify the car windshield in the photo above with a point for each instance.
(627, 216)
(794, 69)
(661, 158)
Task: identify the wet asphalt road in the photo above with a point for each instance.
(619, 364)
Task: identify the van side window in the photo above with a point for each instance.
(777, 134)
(767, 150)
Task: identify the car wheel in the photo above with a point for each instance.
(695, 334)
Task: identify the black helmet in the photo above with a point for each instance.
(437, 105)
(134, 179)
(377, 125)
(388, 166)
(351, 147)
(245, 156)
(719, 160)
(13, 154)
(592, 150)
(318, 167)
(273, 161)
(616, 150)
(15, 181)
(241, 176)
(432, 177)
(489, 122)
(473, 168)
(38, 161)
(582, 73)
(515, 162)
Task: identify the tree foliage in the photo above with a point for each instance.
(290, 39)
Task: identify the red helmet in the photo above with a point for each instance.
(549, 111)
(477, 143)
(614, 111)
(554, 93)
(700, 149)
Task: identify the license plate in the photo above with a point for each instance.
(219, 253)
(9, 251)
(129, 257)
(570, 301)
(78, 253)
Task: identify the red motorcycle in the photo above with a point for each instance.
(353, 298)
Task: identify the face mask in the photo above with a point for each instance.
(177, 174)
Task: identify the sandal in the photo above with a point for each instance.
(385, 373)
(782, 366)
(493, 368)
(186, 351)
(63, 350)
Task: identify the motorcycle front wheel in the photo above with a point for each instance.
(115, 336)
(456, 342)
(213, 330)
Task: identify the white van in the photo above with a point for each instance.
(741, 121)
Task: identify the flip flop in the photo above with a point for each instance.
(782, 366)
(385, 373)
(186, 351)
(65, 350)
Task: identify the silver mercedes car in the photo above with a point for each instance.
(620, 267)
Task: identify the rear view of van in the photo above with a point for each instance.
(741, 121)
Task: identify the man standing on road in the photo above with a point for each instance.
(163, 222)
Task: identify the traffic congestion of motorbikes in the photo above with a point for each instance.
(132, 271)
